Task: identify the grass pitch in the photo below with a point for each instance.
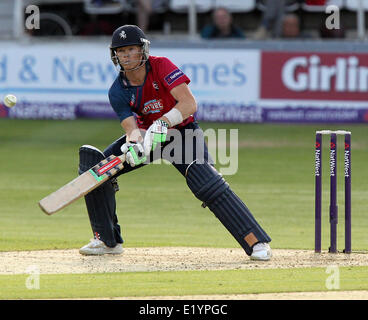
(181, 283)
(275, 178)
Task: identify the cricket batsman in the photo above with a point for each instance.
(151, 94)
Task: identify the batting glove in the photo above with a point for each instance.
(155, 134)
(134, 153)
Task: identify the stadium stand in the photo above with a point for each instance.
(182, 6)
(290, 5)
(354, 5)
(168, 17)
(236, 6)
(322, 7)
(7, 19)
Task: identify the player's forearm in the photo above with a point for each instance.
(131, 129)
(184, 109)
(187, 107)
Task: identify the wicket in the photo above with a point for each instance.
(333, 190)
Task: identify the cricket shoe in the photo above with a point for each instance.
(97, 247)
(261, 251)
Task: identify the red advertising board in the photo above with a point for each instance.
(314, 76)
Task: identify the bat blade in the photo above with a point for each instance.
(81, 185)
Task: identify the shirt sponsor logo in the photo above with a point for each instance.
(152, 106)
(173, 76)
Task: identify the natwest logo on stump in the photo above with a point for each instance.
(314, 76)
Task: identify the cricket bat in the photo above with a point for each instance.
(82, 185)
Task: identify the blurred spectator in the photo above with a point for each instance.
(271, 24)
(222, 26)
(146, 8)
(143, 9)
(291, 27)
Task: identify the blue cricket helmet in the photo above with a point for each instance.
(128, 35)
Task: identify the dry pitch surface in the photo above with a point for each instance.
(180, 259)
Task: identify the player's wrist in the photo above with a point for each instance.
(174, 117)
(134, 135)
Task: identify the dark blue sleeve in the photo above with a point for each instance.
(238, 33)
(119, 102)
(207, 32)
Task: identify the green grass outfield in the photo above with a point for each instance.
(275, 178)
(139, 284)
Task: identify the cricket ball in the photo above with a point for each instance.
(10, 100)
